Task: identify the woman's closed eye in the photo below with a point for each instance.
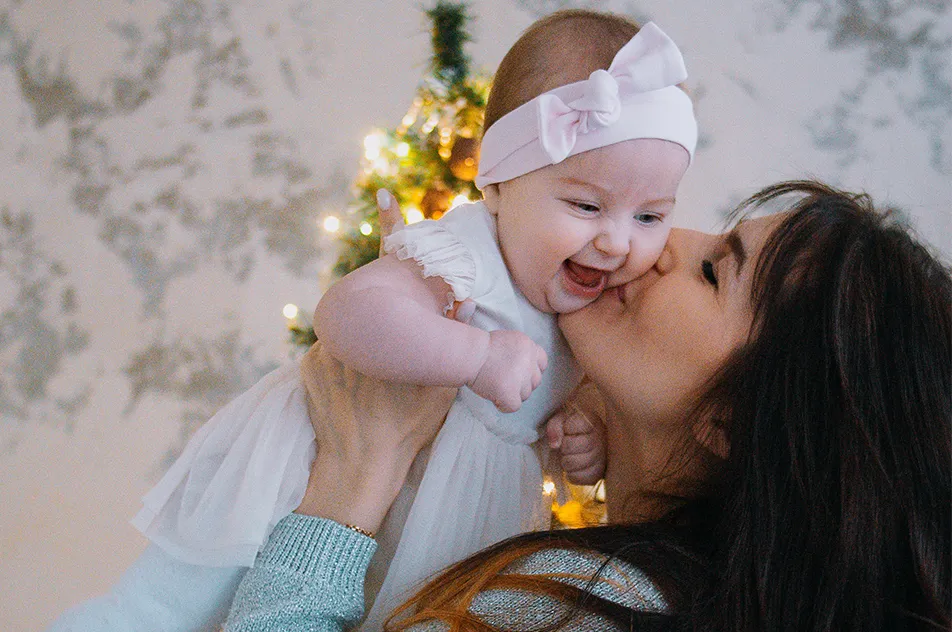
(710, 275)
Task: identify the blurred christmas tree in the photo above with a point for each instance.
(430, 160)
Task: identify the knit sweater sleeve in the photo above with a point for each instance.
(309, 576)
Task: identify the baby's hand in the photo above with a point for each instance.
(512, 370)
(580, 442)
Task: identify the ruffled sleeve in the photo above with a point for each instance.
(440, 253)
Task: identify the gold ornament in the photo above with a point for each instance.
(436, 201)
(464, 158)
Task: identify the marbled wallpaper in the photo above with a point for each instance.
(167, 166)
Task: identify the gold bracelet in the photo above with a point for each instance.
(369, 534)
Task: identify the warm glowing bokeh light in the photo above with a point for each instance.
(372, 144)
(290, 311)
(331, 224)
(414, 215)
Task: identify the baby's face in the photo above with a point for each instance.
(565, 228)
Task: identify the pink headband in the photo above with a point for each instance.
(637, 97)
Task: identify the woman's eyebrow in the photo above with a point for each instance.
(736, 246)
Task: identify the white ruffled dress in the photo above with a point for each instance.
(479, 483)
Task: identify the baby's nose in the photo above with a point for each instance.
(613, 243)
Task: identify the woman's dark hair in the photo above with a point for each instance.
(833, 509)
(837, 494)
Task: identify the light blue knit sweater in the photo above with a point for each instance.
(310, 576)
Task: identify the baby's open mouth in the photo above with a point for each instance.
(592, 278)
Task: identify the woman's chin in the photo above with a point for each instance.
(580, 329)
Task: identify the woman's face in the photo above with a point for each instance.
(652, 343)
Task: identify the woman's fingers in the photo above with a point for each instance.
(388, 211)
(368, 433)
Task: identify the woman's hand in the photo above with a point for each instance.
(389, 216)
(368, 432)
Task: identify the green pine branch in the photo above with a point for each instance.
(450, 64)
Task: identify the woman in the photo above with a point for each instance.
(778, 420)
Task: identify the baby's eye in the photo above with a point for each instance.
(585, 207)
(707, 269)
(647, 219)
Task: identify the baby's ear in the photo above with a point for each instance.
(491, 198)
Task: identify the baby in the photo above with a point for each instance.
(576, 181)
(587, 138)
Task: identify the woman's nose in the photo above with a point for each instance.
(682, 245)
(665, 262)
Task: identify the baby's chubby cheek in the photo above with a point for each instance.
(633, 268)
(641, 258)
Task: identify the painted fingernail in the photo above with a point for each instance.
(465, 311)
(384, 199)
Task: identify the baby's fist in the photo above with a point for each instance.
(580, 442)
(511, 371)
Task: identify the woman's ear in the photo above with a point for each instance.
(491, 198)
(713, 436)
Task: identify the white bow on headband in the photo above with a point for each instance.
(637, 97)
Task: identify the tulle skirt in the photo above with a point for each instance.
(248, 467)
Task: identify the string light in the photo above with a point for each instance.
(413, 215)
(381, 166)
(548, 487)
(430, 123)
(331, 224)
(366, 228)
(403, 149)
(372, 145)
(290, 311)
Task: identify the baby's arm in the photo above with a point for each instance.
(386, 321)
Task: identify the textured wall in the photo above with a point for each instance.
(167, 165)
